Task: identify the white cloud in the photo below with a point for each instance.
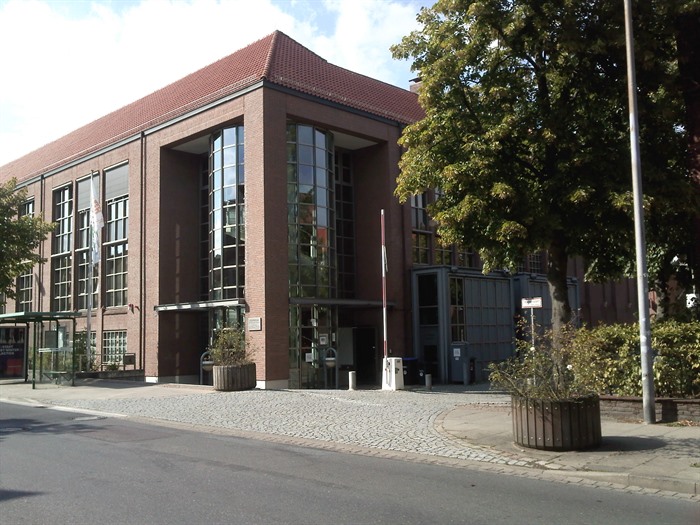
(364, 32)
(66, 63)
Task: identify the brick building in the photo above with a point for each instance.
(249, 192)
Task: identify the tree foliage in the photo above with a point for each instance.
(19, 237)
(526, 132)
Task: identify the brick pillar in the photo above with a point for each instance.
(267, 287)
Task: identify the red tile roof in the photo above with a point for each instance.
(276, 58)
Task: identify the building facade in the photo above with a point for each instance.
(249, 193)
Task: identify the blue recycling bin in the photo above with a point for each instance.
(410, 370)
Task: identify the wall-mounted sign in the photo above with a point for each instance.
(323, 339)
(254, 324)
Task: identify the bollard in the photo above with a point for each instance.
(351, 380)
(428, 381)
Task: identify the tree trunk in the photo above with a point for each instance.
(557, 261)
(660, 286)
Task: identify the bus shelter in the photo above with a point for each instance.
(53, 351)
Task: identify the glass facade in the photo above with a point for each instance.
(204, 231)
(227, 215)
(533, 263)
(345, 224)
(61, 252)
(82, 245)
(116, 236)
(25, 282)
(421, 233)
(311, 202)
(113, 347)
(458, 320)
(311, 207)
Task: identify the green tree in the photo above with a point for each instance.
(687, 24)
(526, 131)
(19, 237)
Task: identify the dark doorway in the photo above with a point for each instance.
(365, 349)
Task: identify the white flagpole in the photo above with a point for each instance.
(88, 339)
(96, 223)
(384, 269)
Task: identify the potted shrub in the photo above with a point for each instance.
(553, 407)
(233, 366)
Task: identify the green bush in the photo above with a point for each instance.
(543, 368)
(608, 358)
(230, 347)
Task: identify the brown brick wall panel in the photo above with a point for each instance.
(151, 267)
(266, 231)
(329, 117)
(255, 224)
(276, 263)
(178, 256)
(179, 227)
(220, 116)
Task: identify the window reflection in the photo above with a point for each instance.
(227, 215)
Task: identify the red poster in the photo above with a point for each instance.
(13, 341)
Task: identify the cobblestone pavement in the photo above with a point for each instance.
(400, 421)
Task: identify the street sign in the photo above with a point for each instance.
(533, 302)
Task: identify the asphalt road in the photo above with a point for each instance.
(65, 467)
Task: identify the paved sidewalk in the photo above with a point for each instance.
(450, 425)
(656, 457)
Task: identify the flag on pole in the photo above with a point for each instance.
(385, 260)
(96, 223)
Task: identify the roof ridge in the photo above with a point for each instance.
(270, 53)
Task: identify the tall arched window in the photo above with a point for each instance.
(312, 251)
(311, 212)
(227, 215)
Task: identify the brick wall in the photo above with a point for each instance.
(667, 410)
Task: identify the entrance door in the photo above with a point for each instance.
(365, 348)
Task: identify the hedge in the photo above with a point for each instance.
(608, 357)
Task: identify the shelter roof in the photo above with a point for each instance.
(32, 317)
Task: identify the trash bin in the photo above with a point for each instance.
(410, 371)
(343, 375)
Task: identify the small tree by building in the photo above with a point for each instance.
(20, 237)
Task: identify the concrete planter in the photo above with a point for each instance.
(572, 424)
(234, 377)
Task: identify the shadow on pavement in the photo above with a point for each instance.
(630, 444)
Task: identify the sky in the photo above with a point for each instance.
(66, 63)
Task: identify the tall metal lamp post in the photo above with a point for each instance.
(640, 245)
